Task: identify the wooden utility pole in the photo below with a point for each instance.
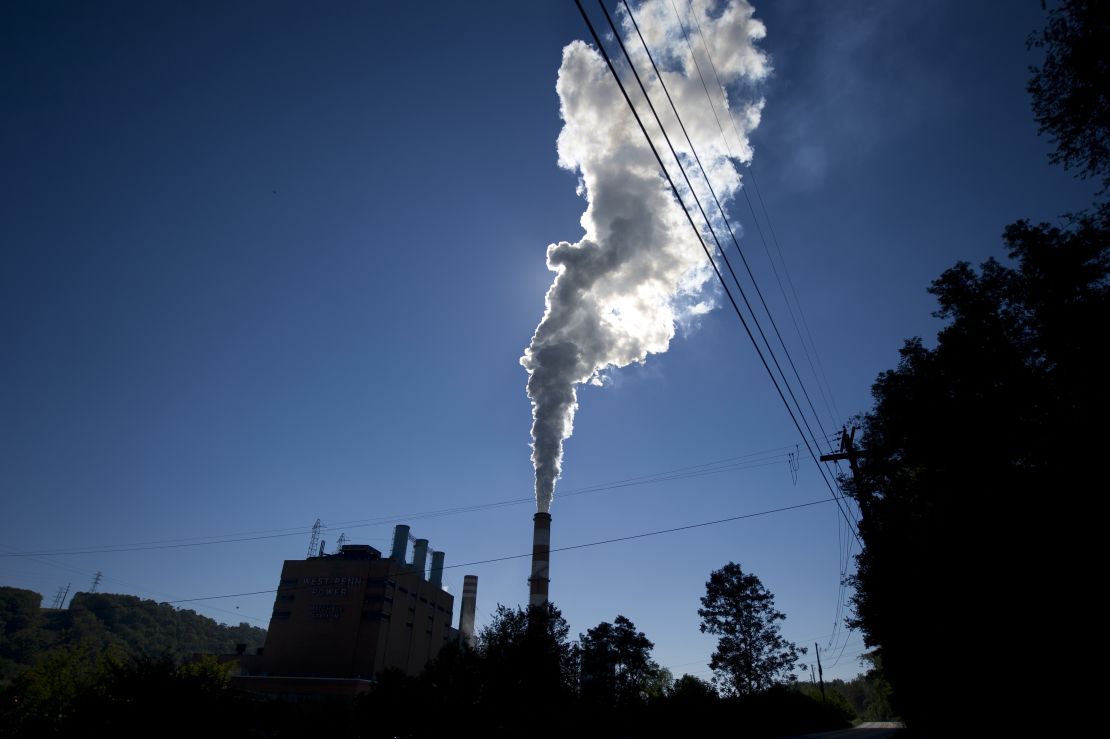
(820, 672)
(849, 452)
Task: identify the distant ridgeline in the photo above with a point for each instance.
(99, 620)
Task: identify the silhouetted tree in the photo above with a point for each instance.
(692, 692)
(393, 701)
(44, 700)
(617, 668)
(876, 692)
(751, 654)
(75, 692)
(20, 636)
(1070, 101)
(976, 449)
(529, 663)
(103, 621)
(454, 683)
(987, 443)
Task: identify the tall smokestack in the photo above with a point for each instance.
(541, 560)
(400, 542)
(466, 613)
(436, 576)
(420, 556)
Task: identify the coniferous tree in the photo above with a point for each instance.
(617, 668)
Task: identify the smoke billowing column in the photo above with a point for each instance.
(541, 560)
(638, 271)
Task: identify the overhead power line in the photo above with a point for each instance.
(724, 219)
(697, 231)
(571, 547)
(753, 460)
(724, 216)
(141, 588)
(836, 417)
(844, 543)
(819, 371)
(842, 552)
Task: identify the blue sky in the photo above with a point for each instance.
(267, 262)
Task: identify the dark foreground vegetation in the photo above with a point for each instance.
(525, 678)
(979, 464)
(981, 449)
(73, 695)
(97, 622)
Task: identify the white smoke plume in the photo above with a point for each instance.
(619, 291)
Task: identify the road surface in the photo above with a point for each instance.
(866, 730)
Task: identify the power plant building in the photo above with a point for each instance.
(354, 613)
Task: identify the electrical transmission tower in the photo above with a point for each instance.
(96, 581)
(341, 541)
(314, 542)
(60, 597)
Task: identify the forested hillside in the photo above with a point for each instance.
(99, 620)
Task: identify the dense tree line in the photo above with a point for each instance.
(982, 449)
(525, 675)
(867, 696)
(97, 622)
(972, 449)
(77, 692)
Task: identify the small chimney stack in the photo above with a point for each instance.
(541, 560)
(466, 612)
(436, 577)
(420, 557)
(400, 543)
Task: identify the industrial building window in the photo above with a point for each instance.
(281, 615)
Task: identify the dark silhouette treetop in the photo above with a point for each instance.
(751, 655)
(528, 656)
(617, 668)
(977, 449)
(1071, 90)
(101, 620)
(982, 446)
